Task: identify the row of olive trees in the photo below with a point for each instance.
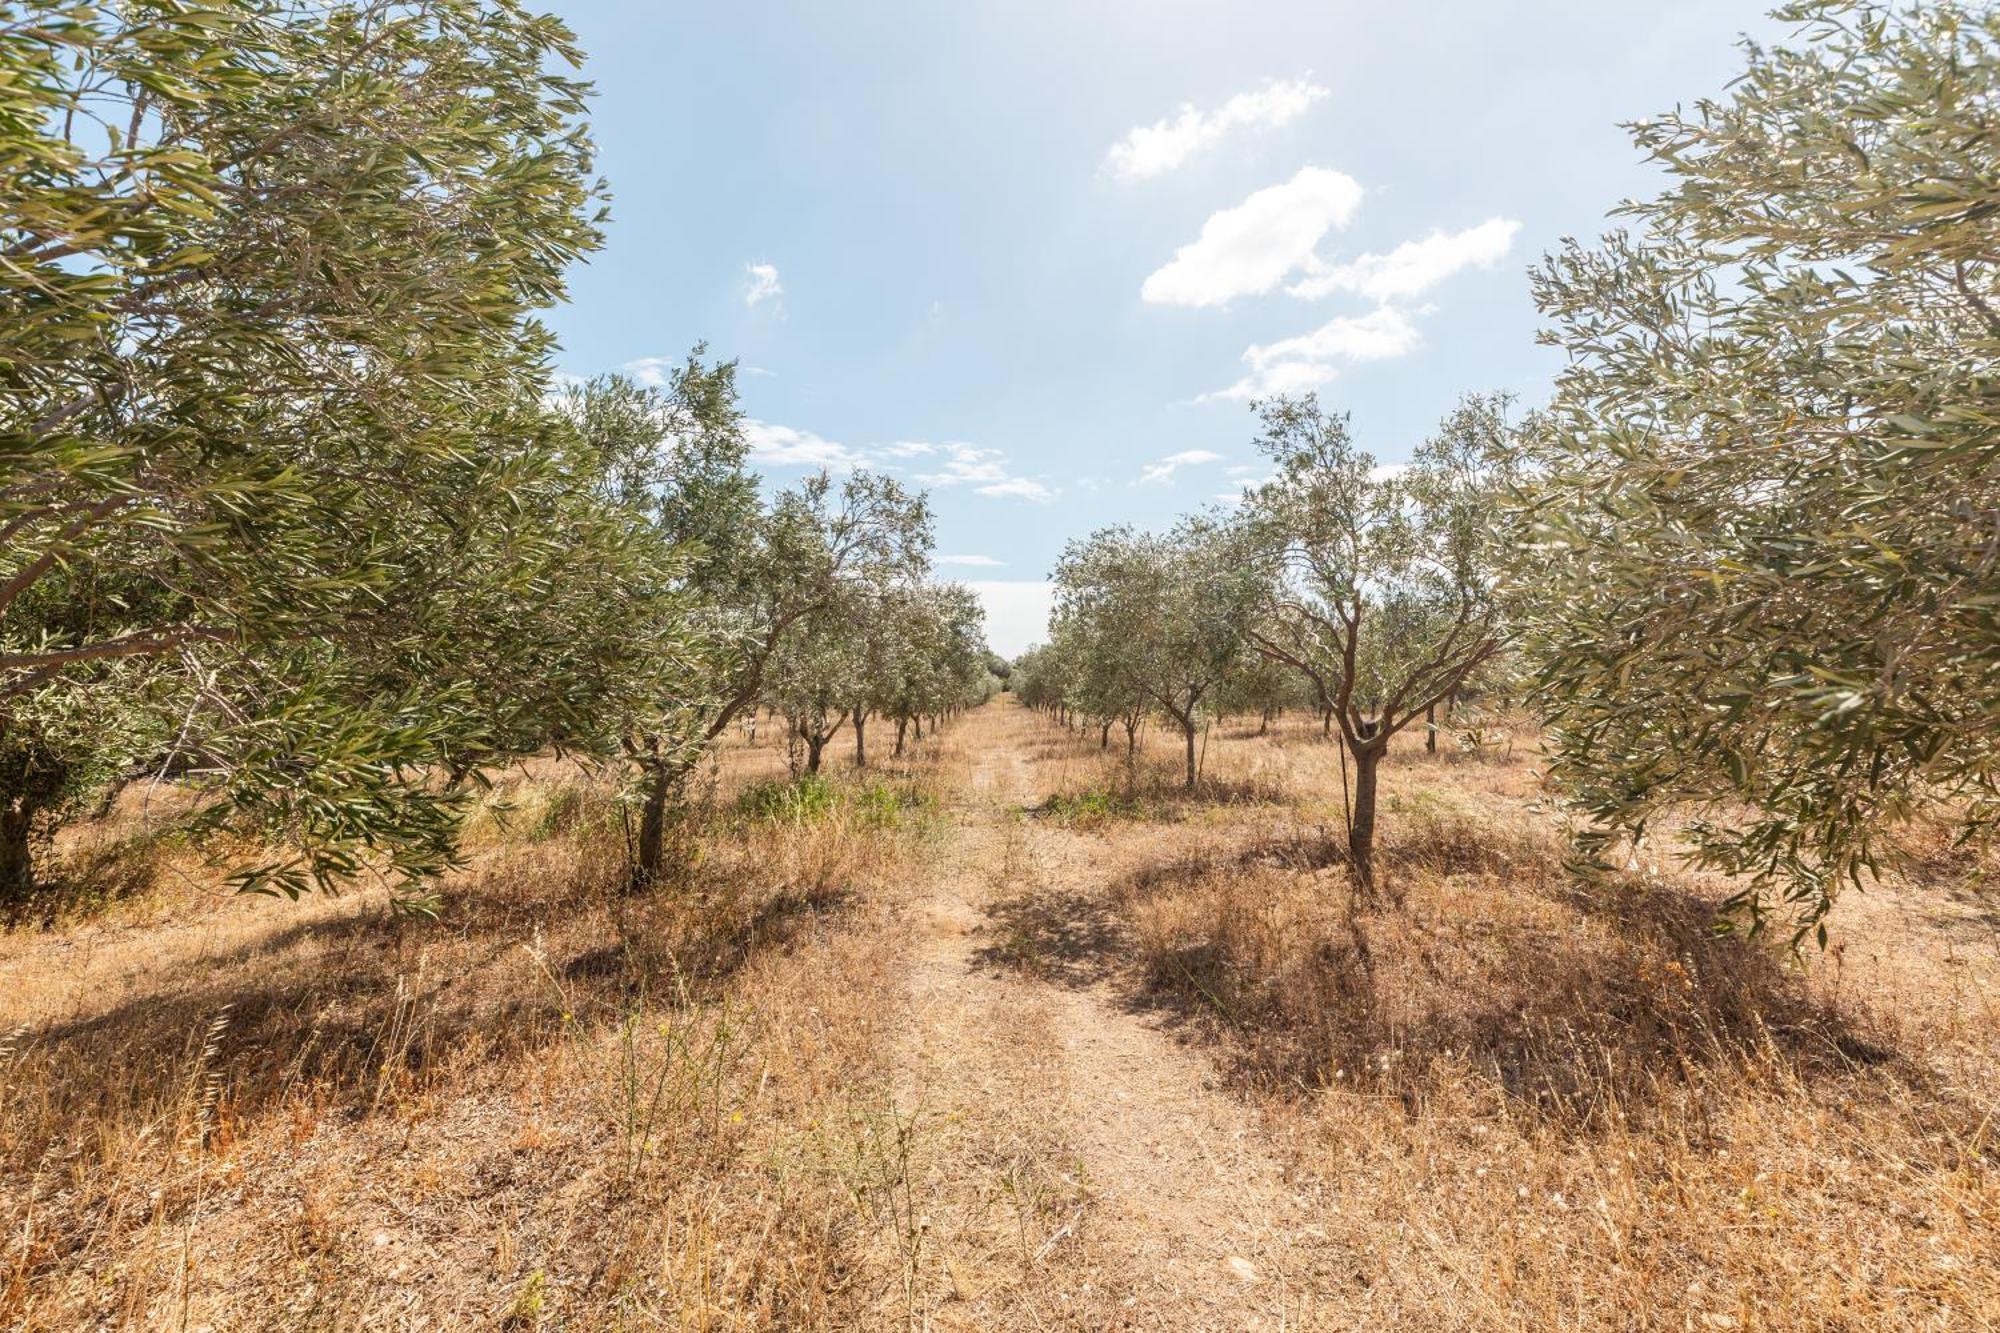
(1748, 555)
(817, 602)
(288, 502)
(1371, 594)
(902, 651)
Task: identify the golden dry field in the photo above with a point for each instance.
(1009, 1035)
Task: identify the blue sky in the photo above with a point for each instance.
(1036, 255)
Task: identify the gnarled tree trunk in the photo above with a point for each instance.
(663, 778)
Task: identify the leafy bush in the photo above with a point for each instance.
(803, 800)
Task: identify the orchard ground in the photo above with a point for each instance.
(1005, 1034)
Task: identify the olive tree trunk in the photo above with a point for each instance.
(663, 779)
(1361, 827)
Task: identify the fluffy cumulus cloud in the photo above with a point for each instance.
(1255, 246)
(1153, 150)
(761, 284)
(652, 370)
(1164, 469)
(964, 464)
(1294, 365)
(1414, 267)
(985, 471)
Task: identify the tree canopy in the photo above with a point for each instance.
(276, 449)
(1769, 479)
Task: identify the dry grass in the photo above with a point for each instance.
(555, 1106)
(1499, 1101)
(1544, 1106)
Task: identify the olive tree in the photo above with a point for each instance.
(818, 672)
(1158, 618)
(269, 384)
(1769, 482)
(1381, 584)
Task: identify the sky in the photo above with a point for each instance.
(1037, 256)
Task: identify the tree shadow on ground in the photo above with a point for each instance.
(359, 1011)
(1586, 1006)
(1068, 938)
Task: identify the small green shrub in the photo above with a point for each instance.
(812, 797)
(805, 799)
(1091, 808)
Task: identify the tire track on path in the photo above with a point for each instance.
(1088, 1173)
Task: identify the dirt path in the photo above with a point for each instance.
(1083, 1169)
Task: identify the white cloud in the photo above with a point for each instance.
(1166, 467)
(656, 370)
(1294, 365)
(653, 370)
(975, 561)
(1415, 266)
(1017, 613)
(1150, 150)
(965, 465)
(782, 446)
(1022, 487)
(984, 471)
(762, 284)
(1256, 245)
(1245, 482)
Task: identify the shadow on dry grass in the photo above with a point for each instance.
(1586, 1006)
(1152, 792)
